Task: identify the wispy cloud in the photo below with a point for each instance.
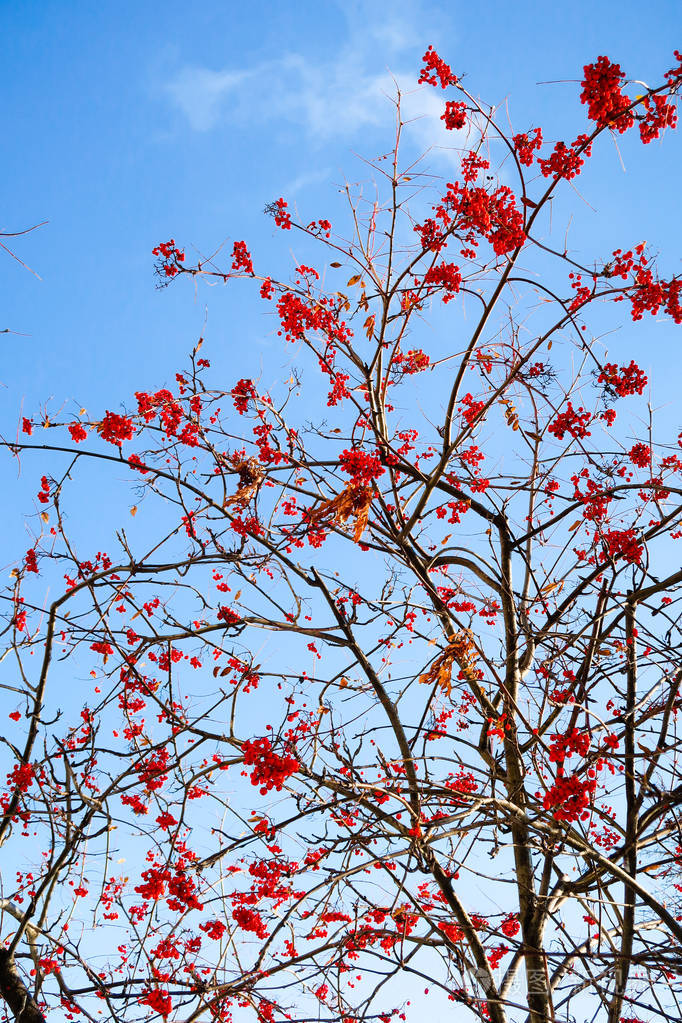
(303, 181)
(201, 94)
(334, 97)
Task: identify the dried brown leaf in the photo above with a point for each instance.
(251, 475)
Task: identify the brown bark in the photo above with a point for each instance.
(18, 997)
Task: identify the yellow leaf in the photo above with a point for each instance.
(45, 517)
(355, 279)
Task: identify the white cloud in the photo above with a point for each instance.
(303, 181)
(201, 93)
(335, 97)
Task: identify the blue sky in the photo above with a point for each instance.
(128, 123)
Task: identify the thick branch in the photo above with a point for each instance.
(16, 994)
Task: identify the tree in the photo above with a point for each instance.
(379, 697)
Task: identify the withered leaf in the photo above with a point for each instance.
(251, 475)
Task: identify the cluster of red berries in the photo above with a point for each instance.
(623, 380)
(573, 421)
(282, 218)
(569, 797)
(159, 1001)
(526, 144)
(270, 770)
(243, 392)
(414, 361)
(435, 70)
(44, 492)
(249, 920)
(622, 543)
(115, 428)
(241, 258)
(455, 115)
(170, 258)
(446, 276)
(565, 161)
(362, 466)
(640, 455)
(606, 104)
